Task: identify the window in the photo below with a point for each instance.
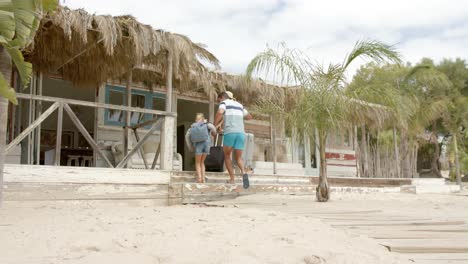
(142, 99)
(138, 100)
(115, 98)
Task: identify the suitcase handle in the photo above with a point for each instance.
(216, 140)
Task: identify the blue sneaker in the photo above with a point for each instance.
(245, 181)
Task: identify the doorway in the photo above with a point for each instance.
(186, 111)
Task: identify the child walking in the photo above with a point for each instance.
(198, 138)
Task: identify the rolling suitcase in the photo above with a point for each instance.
(215, 161)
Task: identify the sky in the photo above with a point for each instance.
(236, 30)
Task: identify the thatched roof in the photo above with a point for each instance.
(247, 91)
(91, 49)
(87, 48)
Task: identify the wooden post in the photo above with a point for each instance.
(356, 151)
(307, 154)
(167, 138)
(364, 149)
(58, 142)
(128, 113)
(96, 124)
(39, 112)
(211, 110)
(12, 111)
(5, 69)
(169, 83)
(273, 142)
(294, 151)
(395, 147)
(30, 116)
(3, 127)
(457, 162)
(167, 133)
(174, 109)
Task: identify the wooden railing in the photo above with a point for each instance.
(166, 119)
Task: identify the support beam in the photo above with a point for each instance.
(96, 124)
(167, 143)
(32, 89)
(142, 153)
(39, 112)
(3, 128)
(58, 141)
(396, 151)
(211, 110)
(127, 157)
(174, 109)
(30, 128)
(85, 133)
(457, 162)
(126, 135)
(273, 142)
(169, 83)
(5, 70)
(294, 147)
(93, 104)
(155, 160)
(356, 151)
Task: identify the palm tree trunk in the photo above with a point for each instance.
(365, 158)
(322, 190)
(435, 157)
(415, 164)
(457, 161)
(397, 158)
(5, 69)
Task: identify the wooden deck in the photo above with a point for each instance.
(421, 228)
(426, 238)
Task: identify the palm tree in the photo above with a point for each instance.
(432, 88)
(320, 102)
(19, 20)
(383, 85)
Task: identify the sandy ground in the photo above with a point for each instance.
(251, 229)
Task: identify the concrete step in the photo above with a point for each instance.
(279, 165)
(189, 177)
(442, 189)
(428, 181)
(285, 172)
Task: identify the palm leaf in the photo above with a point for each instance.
(374, 50)
(6, 91)
(7, 21)
(24, 68)
(284, 65)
